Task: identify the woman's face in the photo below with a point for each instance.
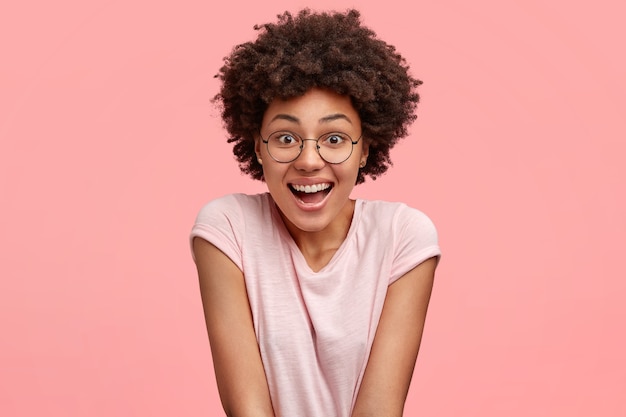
(329, 185)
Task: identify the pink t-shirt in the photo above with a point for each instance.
(315, 329)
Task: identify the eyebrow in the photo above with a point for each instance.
(325, 119)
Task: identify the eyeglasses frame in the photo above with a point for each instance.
(317, 146)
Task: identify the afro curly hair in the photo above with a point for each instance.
(327, 50)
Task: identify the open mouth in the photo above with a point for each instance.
(311, 194)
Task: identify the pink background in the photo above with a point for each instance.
(109, 146)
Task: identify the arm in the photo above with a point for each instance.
(238, 368)
(390, 366)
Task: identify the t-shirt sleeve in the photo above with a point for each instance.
(220, 223)
(416, 240)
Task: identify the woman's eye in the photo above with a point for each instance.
(334, 139)
(287, 139)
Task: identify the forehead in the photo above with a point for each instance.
(316, 106)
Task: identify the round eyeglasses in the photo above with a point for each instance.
(334, 147)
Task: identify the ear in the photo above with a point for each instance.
(257, 148)
(257, 145)
(365, 151)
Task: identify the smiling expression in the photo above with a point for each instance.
(310, 193)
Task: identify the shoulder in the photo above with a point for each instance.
(408, 232)
(231, 206)
(399, 217)
(232, 214)
(225, 221)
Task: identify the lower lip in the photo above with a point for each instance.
(311, 206)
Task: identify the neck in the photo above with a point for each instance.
(323, 243)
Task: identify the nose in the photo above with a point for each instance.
(309, 159)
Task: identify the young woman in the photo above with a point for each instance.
(314, 302)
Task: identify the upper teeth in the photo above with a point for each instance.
(310, 188)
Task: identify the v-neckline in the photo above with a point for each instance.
(295, 250)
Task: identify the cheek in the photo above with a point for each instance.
(349, 174)
(272, 171)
